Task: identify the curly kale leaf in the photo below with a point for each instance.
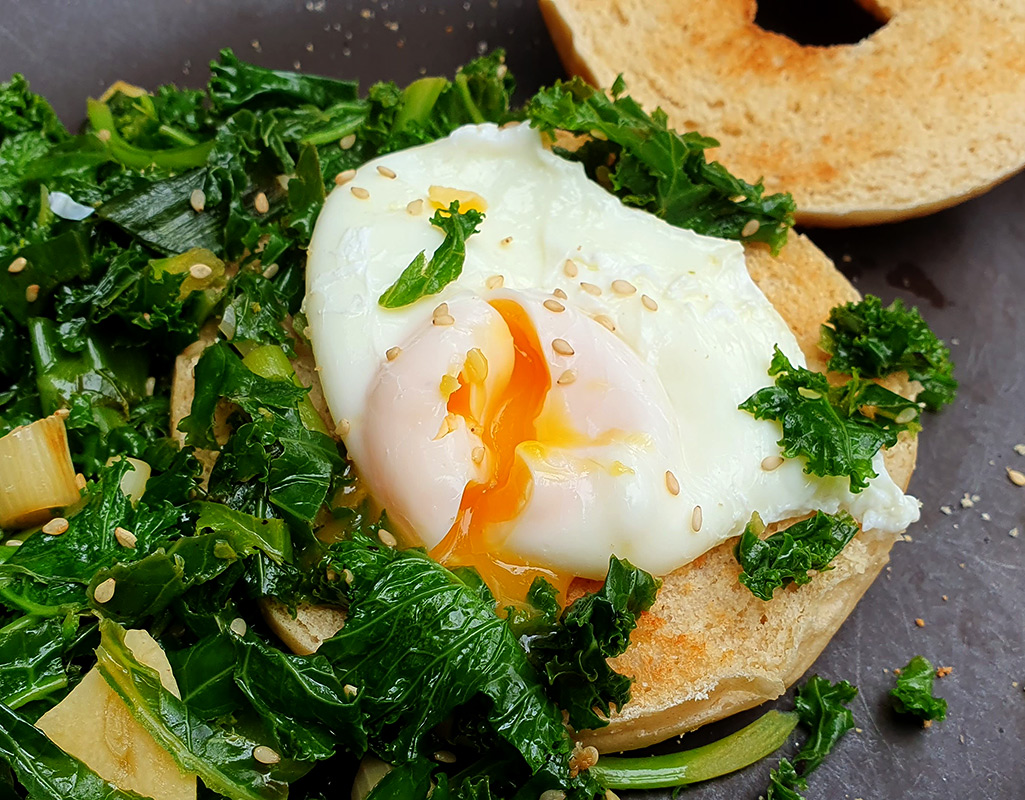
(913, 692)
(422, 277)
(822, 708)
(572, 651)
(875, 341)
(656, 168)
(786, 557)
(828, 425)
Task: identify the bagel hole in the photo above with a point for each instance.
(820, 23)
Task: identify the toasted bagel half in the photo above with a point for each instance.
(926, 112)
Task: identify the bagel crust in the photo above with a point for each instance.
(926, 112)
(709, 648)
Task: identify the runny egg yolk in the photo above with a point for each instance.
(508, 423)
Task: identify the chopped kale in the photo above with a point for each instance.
(873, 340)
(913, 692)
(828, 425)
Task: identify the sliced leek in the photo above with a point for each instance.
(36, 473)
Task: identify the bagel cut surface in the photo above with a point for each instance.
(926, 112)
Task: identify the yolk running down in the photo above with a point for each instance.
(509, 422)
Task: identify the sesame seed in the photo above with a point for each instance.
(103, 135)
(261, 204)
(392, 353)
(200, 271)
(695, 519)
(79, 481)
(441, 310)
(560, 294)
(444, 319)
(494, 282)
(750, 228)
(444, 757)
(552, 794)
(810, 394)
(343, 427)
(271, 271)
(349, 690)
(360, 193)
(672, 484)
(554, 305)
(17, 265)
(238, 626)
(331, 575)
(344, 177)
(599, 135)
(265, 755)
(920, 622)
(506, 241)
(477, 455)
(769, 463)
(348, 576)
(611, 795)
(590, 288)
(386, 172)
(605, 321)
(562, 347)
(649, 303)
(125, 537)
(623, 287)
(569, 266)
(56, 526)
(1016, 476)
(197, 200)
(414, 207)
(567, 377)
(346, 142)
(32, 292)
(387, 539)
(62, 413)
(906, 416)
(105, 591)
(738, 198)
(476, 365)
(150, 386)
(448, 386)
(13, 543)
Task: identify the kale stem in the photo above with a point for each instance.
(463, 87)
(736, 751)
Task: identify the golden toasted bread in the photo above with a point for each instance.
(926, 112)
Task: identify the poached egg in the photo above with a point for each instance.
(573, 394)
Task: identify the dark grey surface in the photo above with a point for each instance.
(964, 267)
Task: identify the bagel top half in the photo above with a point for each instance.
(926, 112)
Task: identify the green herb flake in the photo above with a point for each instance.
(422, 277)
(875, 341)
(913, 692)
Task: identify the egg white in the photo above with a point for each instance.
(669, 380)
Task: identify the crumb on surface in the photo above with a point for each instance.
(920, 622)
(943, 672)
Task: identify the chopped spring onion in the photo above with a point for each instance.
(736, 751)
(36, 473)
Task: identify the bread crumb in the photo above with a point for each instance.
(944, 598)
(1020, 449)
(985, 516)
(961, 565)
(926, 723)
(961, 738)
(1013, 533)
(943, 672)
(967, 501)
(946, 510)
(907, 537)
(920, 622)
